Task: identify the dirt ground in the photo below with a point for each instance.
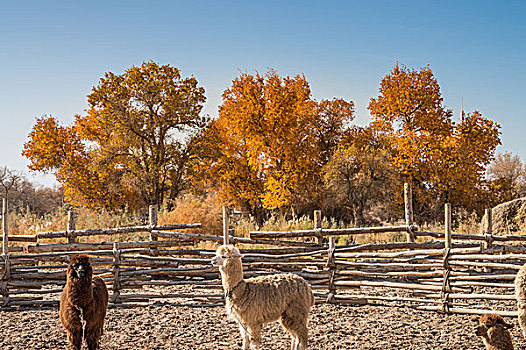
(164, 325)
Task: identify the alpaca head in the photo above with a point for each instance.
(491, 323)
(227, 257)
(80, 267)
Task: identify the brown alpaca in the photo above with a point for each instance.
(83, 304)
(494, 332)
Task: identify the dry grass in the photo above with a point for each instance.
(207, 211)
(193, 209)
(30, 224)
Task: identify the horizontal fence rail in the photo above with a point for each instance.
(113, 231)
(330, 232)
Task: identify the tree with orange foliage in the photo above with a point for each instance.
(466, 153)
(133, 145)
(444, 160)
(57, 149)
(271, 141)
(410, 114)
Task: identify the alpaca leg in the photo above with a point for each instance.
(74, 339)
(246, 339)
(303, 336)
(254, 334)
(92, 338)
(294, 343)
(298, 329)
(288, 325)
(522, 319)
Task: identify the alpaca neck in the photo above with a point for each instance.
(502, 343)
(80, 291)
(231, 274)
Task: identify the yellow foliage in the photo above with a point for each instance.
(445, 160)
(271, 139)
(123, 151)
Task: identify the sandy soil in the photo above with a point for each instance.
(164, 325)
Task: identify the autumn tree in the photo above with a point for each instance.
(132, 146)
(463, 160)
(410, 114)
(223, 165)
(426, 145)
(57, 149)
(358, 178)
(508, 176)
(272, 140)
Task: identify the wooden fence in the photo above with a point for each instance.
(435, 271)
(35, 273)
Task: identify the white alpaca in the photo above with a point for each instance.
(520, 294)
(256, 301)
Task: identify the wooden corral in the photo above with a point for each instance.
(435, 271)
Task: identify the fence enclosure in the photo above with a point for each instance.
(434, 271)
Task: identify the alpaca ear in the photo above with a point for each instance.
(236, 255)
(507, 325)
(501, 321)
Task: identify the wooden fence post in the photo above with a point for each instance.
(6, 275)
(488, 229)
(116, 274)
(408, 201)
(446, 283)
(317, 227)
(152, 218)
(447, 225)
(71, 226)
(226, 225)
(488, 233)
(331, 264)
(5, 241)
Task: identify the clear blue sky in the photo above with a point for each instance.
(53, 52)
